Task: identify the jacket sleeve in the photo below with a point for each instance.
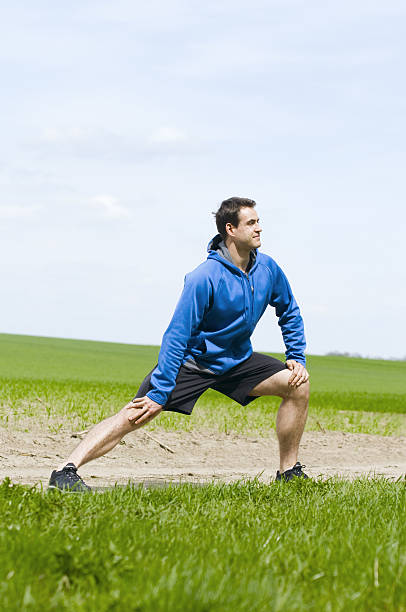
(288, 313)
(189, 312)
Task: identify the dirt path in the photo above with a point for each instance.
(28, 458)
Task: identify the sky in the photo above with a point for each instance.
(124, 125)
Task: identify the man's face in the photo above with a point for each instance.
(248, 232)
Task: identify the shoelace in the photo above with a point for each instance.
(297, 469)
(72, 474)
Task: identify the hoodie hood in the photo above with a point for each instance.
(217, 245)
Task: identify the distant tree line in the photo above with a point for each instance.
(359, 356)
(343, 354)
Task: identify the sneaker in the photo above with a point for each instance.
(295, 472)
(68, 479)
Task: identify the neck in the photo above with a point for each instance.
(239, 255)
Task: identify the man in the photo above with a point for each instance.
(207, 345)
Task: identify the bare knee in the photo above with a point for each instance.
(122, 420)
(300, 394)
(303, 392)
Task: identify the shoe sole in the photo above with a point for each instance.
(67, 490)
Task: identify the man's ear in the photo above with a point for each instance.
(229, 228)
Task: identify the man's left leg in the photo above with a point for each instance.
(292, 414)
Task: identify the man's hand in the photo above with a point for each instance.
(299, 373)
(142, 409)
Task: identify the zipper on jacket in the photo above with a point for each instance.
(250, 298)
(249, 282)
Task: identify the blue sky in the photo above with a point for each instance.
(125, 124)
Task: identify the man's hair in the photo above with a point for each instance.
(228, 213)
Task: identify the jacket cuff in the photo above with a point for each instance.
(300, 359)
(158, 397)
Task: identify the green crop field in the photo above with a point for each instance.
(77, 383)
(306, 545)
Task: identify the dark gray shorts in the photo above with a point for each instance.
(236, 383)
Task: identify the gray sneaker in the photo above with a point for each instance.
(295, 472)
(68, 479)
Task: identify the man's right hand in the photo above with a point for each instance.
(142, 410)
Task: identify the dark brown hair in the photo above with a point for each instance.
(228, 213)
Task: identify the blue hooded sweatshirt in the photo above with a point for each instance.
(217, 313)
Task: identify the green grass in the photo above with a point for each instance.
(316, 545)
(74, 383)
(59, 359)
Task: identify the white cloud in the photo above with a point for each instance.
(16, 211)
(167, 135)
(126, 142)
(109, 206)
(71, 134)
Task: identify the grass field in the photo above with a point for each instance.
(334, 545)
(76, 383)
(307, 545)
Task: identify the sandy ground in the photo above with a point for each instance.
(29, 458)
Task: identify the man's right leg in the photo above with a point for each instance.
(106, 435)
(103, 437)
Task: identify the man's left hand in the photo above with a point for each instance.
(299, 373)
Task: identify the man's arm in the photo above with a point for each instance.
(291, 324)
(190, 310)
